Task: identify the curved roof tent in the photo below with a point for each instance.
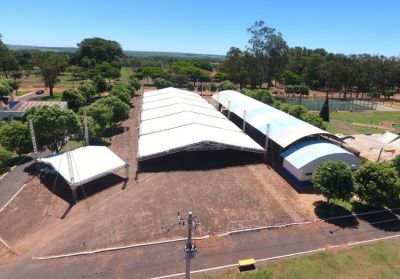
(88, 163)
(302, 159)
(284, 128)
(174, 120)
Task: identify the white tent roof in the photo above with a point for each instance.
(174, 120)
(88, 163)
(284, 128)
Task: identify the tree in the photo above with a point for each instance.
(396, 163)
(100, 84)
(134, 82)
(5, 155)
(123, 90)
(234, 67)
(100, 50)
(8, 62)
(107, 70)
(15, 136)
(334, 180)
(88, 90)
(6, 87)
(180, 80)
(377, 184)
(269, 48)
(120, 110)
(74, 98)
(52, 125)
(50, 66)
(101, 114)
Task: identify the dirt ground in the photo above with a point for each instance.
(227, 190)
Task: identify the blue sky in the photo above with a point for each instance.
(352, 26)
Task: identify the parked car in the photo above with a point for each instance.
(39, 92)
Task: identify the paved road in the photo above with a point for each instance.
(16, 178)
(165, 259)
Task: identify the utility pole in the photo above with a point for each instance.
(190, 248)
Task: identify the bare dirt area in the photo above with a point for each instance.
(227, 190)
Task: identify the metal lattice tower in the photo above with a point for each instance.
(35, 151)
(85, 123)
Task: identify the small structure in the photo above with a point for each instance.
(301, 160)
(16, 109)
(84, 164)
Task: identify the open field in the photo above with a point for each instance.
(377, 260)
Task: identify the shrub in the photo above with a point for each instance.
(227, 85)
(298, 89)
(134, 82)
(190, 87)
(213, 87)
(162, 83)
(5, 155)
(298, 111)
(314, 119)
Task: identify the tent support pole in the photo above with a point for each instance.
(244, 121)
(74, 196)
(266, 142)
(229, 109)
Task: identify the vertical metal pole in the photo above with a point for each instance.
(244, 120)
(229, 109)
(266, 141)
(380, 153)
(189, 245)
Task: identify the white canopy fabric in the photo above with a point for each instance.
(88, 163)
(174, 120)
(284, 128)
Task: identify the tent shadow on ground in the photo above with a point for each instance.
(324, 210)
(386, 220)
(200, 160)
(58, 186)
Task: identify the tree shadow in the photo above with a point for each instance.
(335, 215)
(383, 219)
(200, 160)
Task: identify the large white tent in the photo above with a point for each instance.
(284, 128)
(84, 164)
(173, 120)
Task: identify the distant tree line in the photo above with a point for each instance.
(268, 59)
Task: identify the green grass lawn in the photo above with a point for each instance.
(377, 260)
(57, 96)
(22, 93)
(65, 80)
(367, 117)
(72, 145)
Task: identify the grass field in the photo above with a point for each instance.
(57, 96)
(377, 260)
(367, 117)
(370, 118)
